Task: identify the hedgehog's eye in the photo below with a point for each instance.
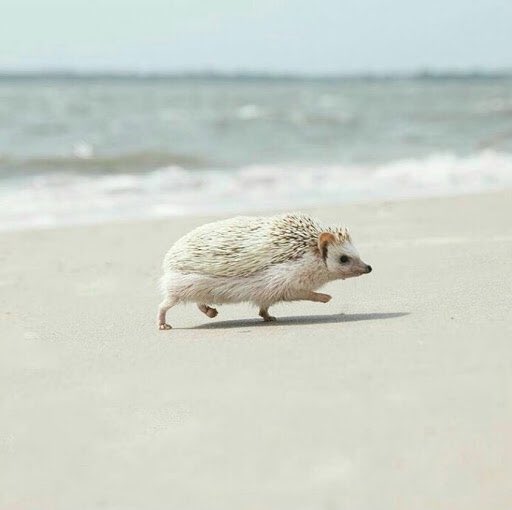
(344, 259)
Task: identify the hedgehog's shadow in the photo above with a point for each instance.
(302, 320)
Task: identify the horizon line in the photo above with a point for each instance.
(255, 75)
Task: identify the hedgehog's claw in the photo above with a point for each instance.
(165, 326)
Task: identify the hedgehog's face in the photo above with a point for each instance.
(341, 257)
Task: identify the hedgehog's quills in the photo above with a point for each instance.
(262, 260)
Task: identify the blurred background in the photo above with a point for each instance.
(134, 109)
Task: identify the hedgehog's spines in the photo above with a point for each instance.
(244, 245)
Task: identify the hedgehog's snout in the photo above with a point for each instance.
(368, 268)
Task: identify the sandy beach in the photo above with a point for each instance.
(395, 395)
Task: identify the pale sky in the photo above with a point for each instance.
(305, 36)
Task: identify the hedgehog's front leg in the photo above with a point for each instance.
(208, 310)
(265, 315)
(309, 295)
(318, 297)
(167, 303)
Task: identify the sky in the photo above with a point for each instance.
(273, 36)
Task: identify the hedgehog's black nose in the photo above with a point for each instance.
(368, 269)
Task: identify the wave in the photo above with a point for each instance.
(54, 199)
(84, 160)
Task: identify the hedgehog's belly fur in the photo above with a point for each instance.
(281, 282)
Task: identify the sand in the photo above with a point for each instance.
(395, 395)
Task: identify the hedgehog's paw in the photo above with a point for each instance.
(212, 312)
(323, 298)
(208, 310)
(265, 316)
(165, 326)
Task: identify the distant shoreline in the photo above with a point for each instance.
(65, 75)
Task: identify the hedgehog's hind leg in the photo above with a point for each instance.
(265, 315)
(167, 303)
(208, 310)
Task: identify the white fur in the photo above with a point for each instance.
(283, 282)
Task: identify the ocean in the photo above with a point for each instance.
(77, 150)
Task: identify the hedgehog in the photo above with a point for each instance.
(260, 260)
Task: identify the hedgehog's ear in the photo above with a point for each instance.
(324, 239)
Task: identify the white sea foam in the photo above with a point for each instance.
(63, 198)
(250, 111)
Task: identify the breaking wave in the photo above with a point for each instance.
(53, 199)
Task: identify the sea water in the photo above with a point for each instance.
(88, 149)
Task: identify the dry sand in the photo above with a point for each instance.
(395, 395)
